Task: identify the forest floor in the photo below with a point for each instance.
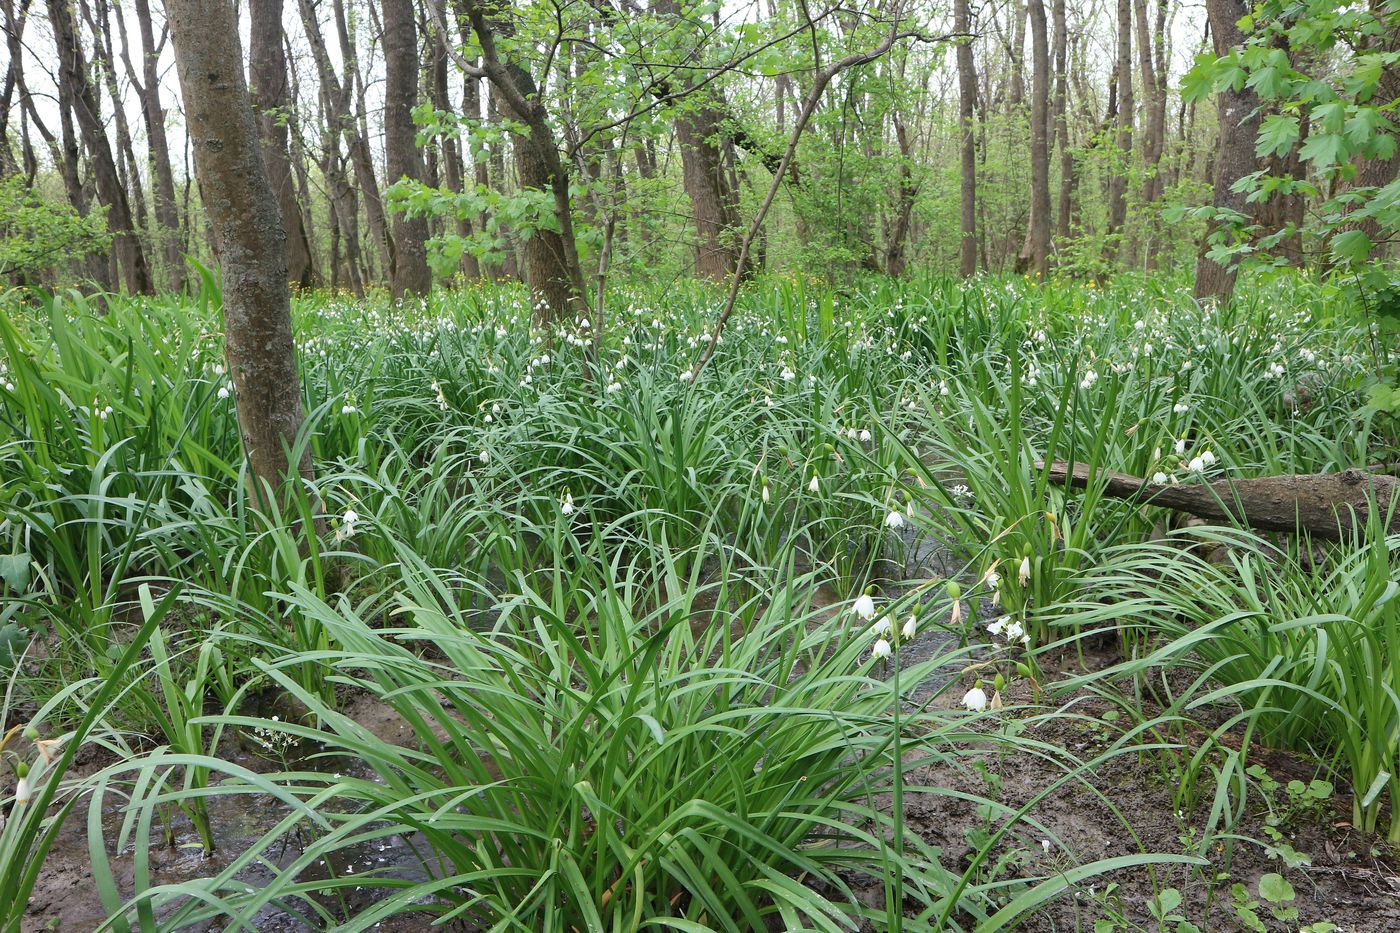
(1340, 876)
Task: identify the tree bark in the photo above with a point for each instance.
(402, 160)
(967, 102)
(1040, 141)
(454, 169)
(1118, 176)
(147, 87)
(1234, 158)
(1154, 108)
(554, 273)
(1060, 106)
(267, 86)
(73, 76)
(249, 239)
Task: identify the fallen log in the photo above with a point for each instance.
(1329, 505)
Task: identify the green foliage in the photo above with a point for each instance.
(37, 234)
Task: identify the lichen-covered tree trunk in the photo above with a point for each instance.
(411, 275)
(1234, 156)
(248, 238)
(267, 79)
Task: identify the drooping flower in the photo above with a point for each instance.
(883, 627)
(975, 699)
(910, 628)
(881, 649)
(894, 519)
(815, 485)
(1159, 477)
(1208, 458)
(23, 792)
(1197, 465)
(567, 504)
(1023, 574)
(864, 607)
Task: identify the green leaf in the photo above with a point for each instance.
(1351, 246)
(14, 570)
(1277, 134)
(1275, 889)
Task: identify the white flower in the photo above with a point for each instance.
(815, 485)
(567, 505)
(686, 376)
(1197, 465)
(975, 699)
(882, 627)
(1090, 377)
(765, 494)
(788, 375)
(911, 625)
(864, 607)
(23, 790)
(484, 456)
(350, 517)
(881, 649)
(894, 519)
(865, 436)
(1181, 408)
(1180, 446)
(348, 409)
(998, 625)
(223, 392)
(1208, 458)
(1159, 477)
(1014, 632)
(1023, 574)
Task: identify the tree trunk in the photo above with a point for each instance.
(147, 88)
(73, 76)
(1234, 157)
(249, 238)
(1154, 109)
(336, 98)
(1060, 106)
(896, 254)
(1118, 176)
(267, 86)
(454, 170)
(967, 102)
(554, 273)
(402, 159)
(1040, 142)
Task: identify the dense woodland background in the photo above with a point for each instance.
(1026, 135)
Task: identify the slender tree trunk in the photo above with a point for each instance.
(1118, 177)
(1040, 141)
(967, 101)
(896, 254)
(73, 67)
(1154, 108)
(555, 275)
(1060, 106)
(1234, 158)
(402, 159)
(336, 98)
(98, 18)
(267, 85)
(147, 87)
(249, 238)
(454, 170)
